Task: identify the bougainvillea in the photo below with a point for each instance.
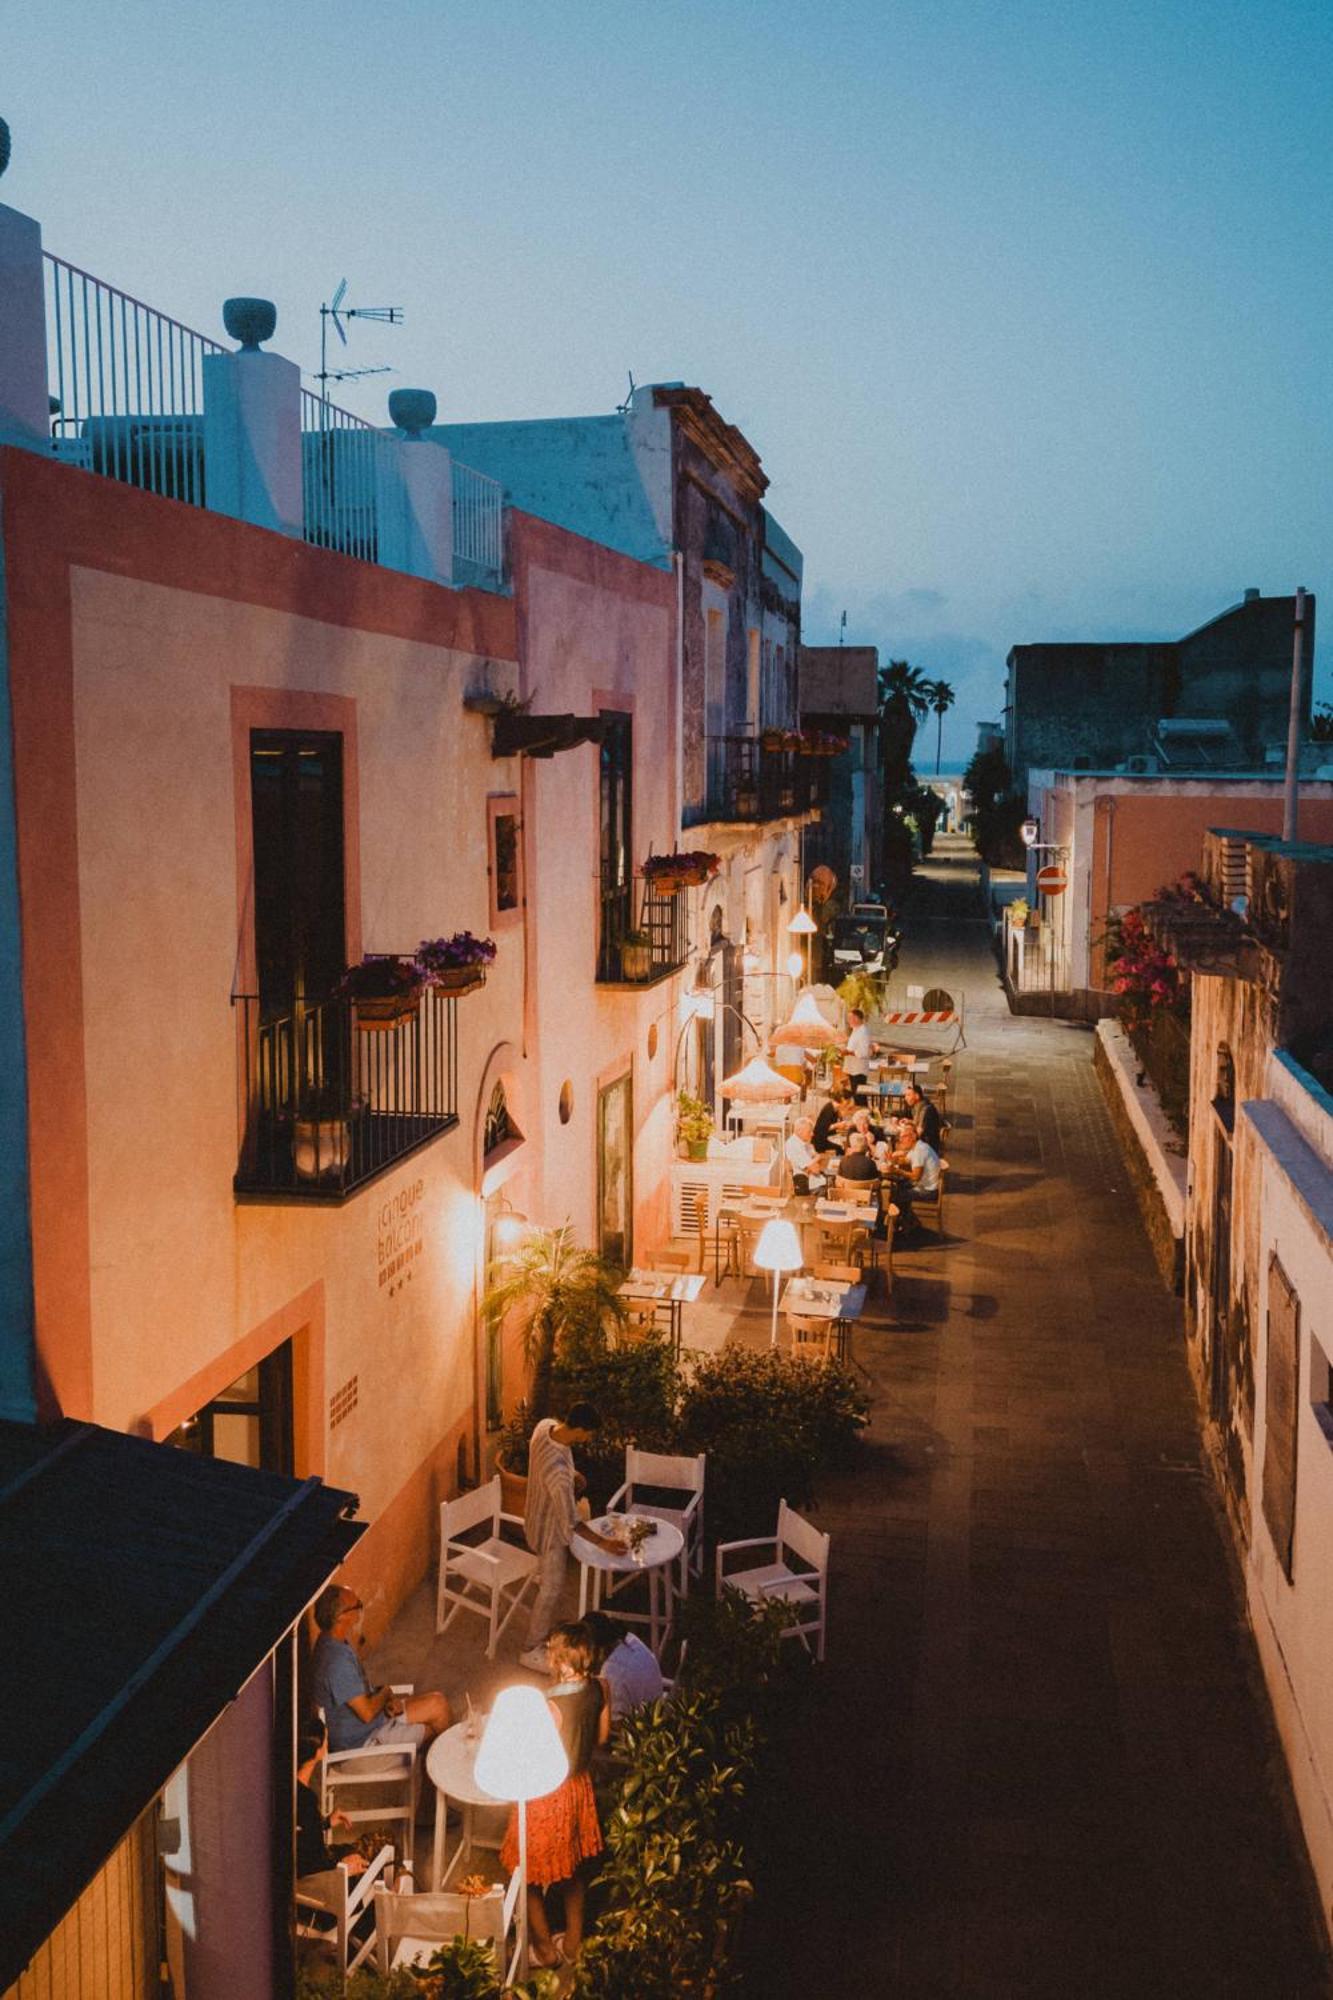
(1144, 975)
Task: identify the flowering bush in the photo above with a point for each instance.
(1145, 977)
(380, 976)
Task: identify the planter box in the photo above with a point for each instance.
(376, 1015)
(458, 979)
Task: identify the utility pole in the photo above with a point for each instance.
(1291, 795)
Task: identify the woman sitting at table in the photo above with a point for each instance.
(863, 1122)
(563, 1828)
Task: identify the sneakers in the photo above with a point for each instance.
(535, 1660)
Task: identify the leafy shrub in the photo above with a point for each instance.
(772, 1426)
(634, 1387)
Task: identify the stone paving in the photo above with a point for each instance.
(1040, 1760)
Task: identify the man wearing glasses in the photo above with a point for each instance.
(358, 1714)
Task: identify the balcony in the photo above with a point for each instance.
(746, 781)
(642, 954)
(328, 1101)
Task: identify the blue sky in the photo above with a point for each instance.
(1025, 307)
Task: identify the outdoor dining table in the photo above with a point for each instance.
(823, 1298)
(653, 1561)
(650, 1287)
(450, 1766)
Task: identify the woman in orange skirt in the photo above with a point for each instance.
(563, 1830)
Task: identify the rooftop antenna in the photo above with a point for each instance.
(629, 396)
(337, 312)
(842, 628)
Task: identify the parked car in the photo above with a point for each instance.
(864, 940)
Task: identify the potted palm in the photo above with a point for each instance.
(455, 964)
(694, 1125)
(567, 1296)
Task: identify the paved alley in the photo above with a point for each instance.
(1040, 1762)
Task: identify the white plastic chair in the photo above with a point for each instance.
(375, 1785)
(490, 1577)
(337, 1893)
(436, 1916)
(677, 1475)
(804, 1589)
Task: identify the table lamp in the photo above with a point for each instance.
(778, 1249)
(521, 1757)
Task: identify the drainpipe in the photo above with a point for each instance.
(1291, 794)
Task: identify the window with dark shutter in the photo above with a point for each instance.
(1279, 1496)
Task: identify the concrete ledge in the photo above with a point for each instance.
(1156, 1170)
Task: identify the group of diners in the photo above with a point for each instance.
(597, 1675)
(845, 1141)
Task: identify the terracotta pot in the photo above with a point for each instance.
(383, 1011)
(458, 979)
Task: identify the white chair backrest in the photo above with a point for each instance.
(795, 1533)
(659, 1468)
(436, 1917)
(469, 1510)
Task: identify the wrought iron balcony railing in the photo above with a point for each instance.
(641, 954)
(746, 781)
(328, 1100)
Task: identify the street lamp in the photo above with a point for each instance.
(1030, 829)
(803, 925)
(521, 1757)
(778, 1249)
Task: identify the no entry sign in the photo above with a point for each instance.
(1052, 880)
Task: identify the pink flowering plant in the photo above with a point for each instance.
(1145, 977)
(452, 954)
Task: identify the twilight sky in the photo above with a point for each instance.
(1025, 307)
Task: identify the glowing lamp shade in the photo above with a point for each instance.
(795, 964)
(1029, 830)
(803, 924)
(778, 1249)
(759, 1083)
(807, 1028)
(520, 1755)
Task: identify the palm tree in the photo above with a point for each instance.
(566, 1295)
(941, 700)
(903, 703)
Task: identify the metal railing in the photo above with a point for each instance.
(129, 384)
(641, 954)
(478, 531)
(329, 1100)
(746, 781)
(341, 456)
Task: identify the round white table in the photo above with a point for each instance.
(654, 1561)
(449, 1766)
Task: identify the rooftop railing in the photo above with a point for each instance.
(343, 464)
(478, 524)
(128, 382)
(329, 1100)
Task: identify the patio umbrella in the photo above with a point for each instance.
(807, 1028)
(759, 1083)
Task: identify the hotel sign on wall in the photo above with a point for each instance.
(400, 1236)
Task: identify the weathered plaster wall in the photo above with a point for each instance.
(1293, 1620)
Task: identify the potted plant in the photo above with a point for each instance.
(636, 955)
(694, 1125)
(455, 964)
(684, 869)
(384, 990)
(566, 1295)
(322, 1133)
(771, 739)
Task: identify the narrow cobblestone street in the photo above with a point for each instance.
(1040, 1760)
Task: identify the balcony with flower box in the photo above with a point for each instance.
(646, 952)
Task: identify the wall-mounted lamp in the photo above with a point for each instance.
(795, 964)
(1030, 830)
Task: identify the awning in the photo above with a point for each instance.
(144, 1586)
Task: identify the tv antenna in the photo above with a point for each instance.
(621, 408)
(337, 312)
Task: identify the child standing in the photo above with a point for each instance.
(563, 1830)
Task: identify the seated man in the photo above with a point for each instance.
(856, 1164)
(924, 1115)
(356, 1713)
(628, 1669)
(833, 1117)
(801, 1155)
(915, 1165)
